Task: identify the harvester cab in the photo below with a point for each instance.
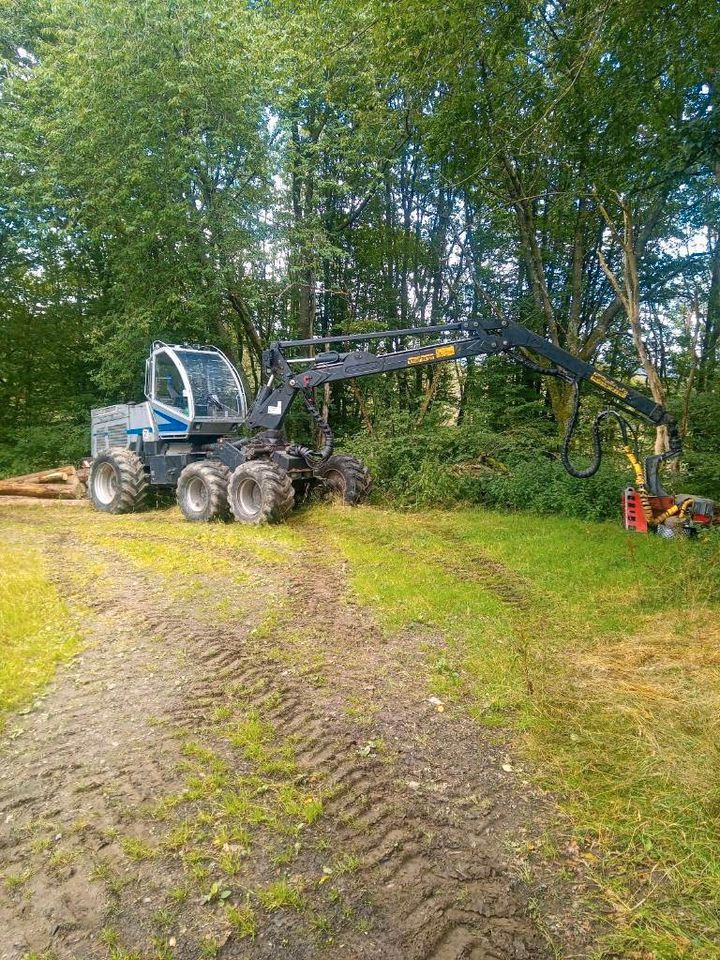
(192, 391)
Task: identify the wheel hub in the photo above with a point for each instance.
(335, 482)
(106, 484)
(197, 495)
(249, 496)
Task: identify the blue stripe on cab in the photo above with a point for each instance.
(172, 425)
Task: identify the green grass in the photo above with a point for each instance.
(171, 538)
(603, 650)
(599, 650)
(243, 920)
(281, 894)
(229, 806)
(36, 629)
(137, 850)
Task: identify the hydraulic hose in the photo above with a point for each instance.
(646, 480)
(560, 374)
(570, 427)
(640, 485)
(316, 456)
(628, 448)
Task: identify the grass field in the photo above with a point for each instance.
(600, 651)
(603, 649)
(36, 629)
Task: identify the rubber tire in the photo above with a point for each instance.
(276, 492)
(215, 477)
(131, 478)
(345, 478)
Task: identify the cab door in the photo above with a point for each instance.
(170, 395)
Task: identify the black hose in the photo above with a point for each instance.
(316, 456)
(625, 427)
(569, 432)
(594, 465)
(538, 368)
(572, 420)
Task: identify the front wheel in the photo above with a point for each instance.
(117, 482)
(202, 491)
(344, 478)
(260, 492)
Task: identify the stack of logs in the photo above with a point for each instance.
(61, 483)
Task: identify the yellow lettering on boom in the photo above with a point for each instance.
(605, 383)
(439, 353)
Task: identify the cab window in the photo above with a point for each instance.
(168, 384)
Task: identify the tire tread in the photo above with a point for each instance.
(134, 484)
(278, 493)
(217, 477)
(358, 482)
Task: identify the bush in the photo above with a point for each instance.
(446, 466)
(702, 449)
(702, 474)
(43, 447)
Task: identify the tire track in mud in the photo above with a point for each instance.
(86, 764)
(491, 575)
(440, 885)
(426, 817)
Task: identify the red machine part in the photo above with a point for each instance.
(634, 516)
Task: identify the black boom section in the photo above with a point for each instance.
(577, 369)
(272, 405)
(476, 339)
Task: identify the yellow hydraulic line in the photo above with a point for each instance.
(680, 511)
(672, 511)
(640, 484)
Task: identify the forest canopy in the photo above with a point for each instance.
(214, 171)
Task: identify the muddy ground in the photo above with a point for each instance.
(242, 764)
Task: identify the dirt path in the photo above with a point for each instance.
(241, 764)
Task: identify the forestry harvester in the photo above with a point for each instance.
(186, 432)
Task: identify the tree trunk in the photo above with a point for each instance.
(428, 395)
(560, 394)
(629, 294)
(693, 331)
(711, 335)
(362, 406)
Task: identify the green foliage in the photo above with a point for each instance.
(239, 172)
(34, 637)
(703, 456)
(43, 445)
(442, 465)
(703, 474)
(153, 152)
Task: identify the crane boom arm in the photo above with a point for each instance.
(481, 338)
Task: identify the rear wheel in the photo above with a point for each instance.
(260, 492)
(202, 491)
(344, 478)
(117, 482)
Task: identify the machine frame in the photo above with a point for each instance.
(260, 476)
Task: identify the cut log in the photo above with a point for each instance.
(6, 502)
(53, 491)
(37, 476)
(55, 477)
